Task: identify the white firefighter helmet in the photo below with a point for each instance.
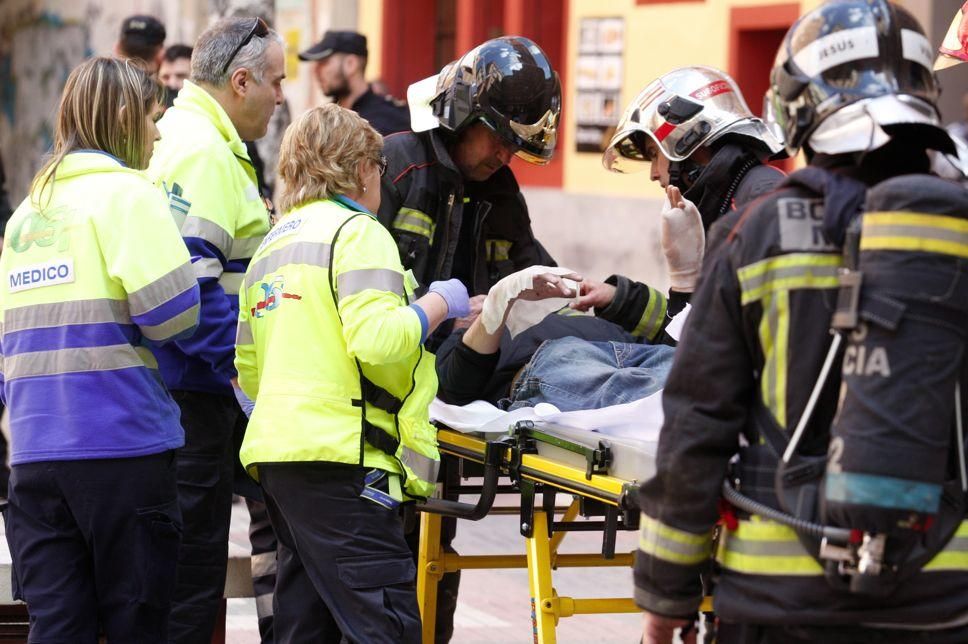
(681, 111)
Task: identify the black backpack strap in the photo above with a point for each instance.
(371, 392)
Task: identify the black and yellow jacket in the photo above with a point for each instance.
(756, 341)
(444, 226)
(734, 177)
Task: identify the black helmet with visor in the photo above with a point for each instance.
(508, 84)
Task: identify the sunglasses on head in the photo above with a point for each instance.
(259, 29)
(382, 164)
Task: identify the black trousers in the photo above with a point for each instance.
(343, 565)
(94, 544)
(206, 467)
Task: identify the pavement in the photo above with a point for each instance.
(494, 605)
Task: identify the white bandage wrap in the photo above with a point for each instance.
(503, 293)
(683, 244)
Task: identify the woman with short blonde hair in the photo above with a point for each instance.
(329, 346)
(97, 270)
(315, 164)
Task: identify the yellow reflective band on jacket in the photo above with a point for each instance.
(297, 348)
(497, 250)
(414, 221)
(955, 553)
(671, 544)
(915, 232)
(770, 282)
(775, 339)
(760, 547)
(786, 273)
(652, 317)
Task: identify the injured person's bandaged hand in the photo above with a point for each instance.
(542, 287)
(683, 240)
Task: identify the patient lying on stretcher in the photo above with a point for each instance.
(570, 360)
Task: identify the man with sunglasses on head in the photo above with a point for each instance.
(339, 64)
(201, 160)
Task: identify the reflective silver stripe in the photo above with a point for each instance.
(231, 283)
(755, 282)
(58, 361)
(263, 605)
(243, 334)
(424, 467)
(38, 316)
(207, 267)
(414, 221)
(245, 247)
(766, 548)
(381, 279)
(263, 564)
(312, 253)
(171, 327)
(209, 231)
(671, 544)
(163, 289)
(924, 232)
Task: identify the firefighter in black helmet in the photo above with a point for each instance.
(451, 202)
(852, 87)
(448, 196)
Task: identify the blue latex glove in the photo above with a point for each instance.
(244, 401)
(455, 294)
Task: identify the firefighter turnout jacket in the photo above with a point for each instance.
(84, 297)
(750, 355)
(734, 177)
(330, 351)
(444, 226)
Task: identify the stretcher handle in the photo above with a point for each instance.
(493, 458)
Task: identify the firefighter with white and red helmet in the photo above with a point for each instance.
(693, 131)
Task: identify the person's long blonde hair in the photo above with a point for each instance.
(90, 116)
(321, 155)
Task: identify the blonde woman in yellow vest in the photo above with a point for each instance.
(94, 271)
(330, 349)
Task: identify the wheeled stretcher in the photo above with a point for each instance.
(539, 462)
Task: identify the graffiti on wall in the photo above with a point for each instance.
(37, 52)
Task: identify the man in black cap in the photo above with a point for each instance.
(142, 38)
(340, 62)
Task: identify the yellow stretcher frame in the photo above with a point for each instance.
(541, 547)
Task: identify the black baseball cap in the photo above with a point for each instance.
(143, 30)
(346, 42)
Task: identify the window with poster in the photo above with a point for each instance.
(598, 103)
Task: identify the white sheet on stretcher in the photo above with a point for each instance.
(640, 419)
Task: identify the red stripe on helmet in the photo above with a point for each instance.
(663, 131)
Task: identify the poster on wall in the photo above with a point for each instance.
(601, 44)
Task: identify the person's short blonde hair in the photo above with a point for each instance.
(321, 155)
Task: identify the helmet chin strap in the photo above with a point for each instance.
(683, 174)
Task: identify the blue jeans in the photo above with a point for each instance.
(573, 374)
